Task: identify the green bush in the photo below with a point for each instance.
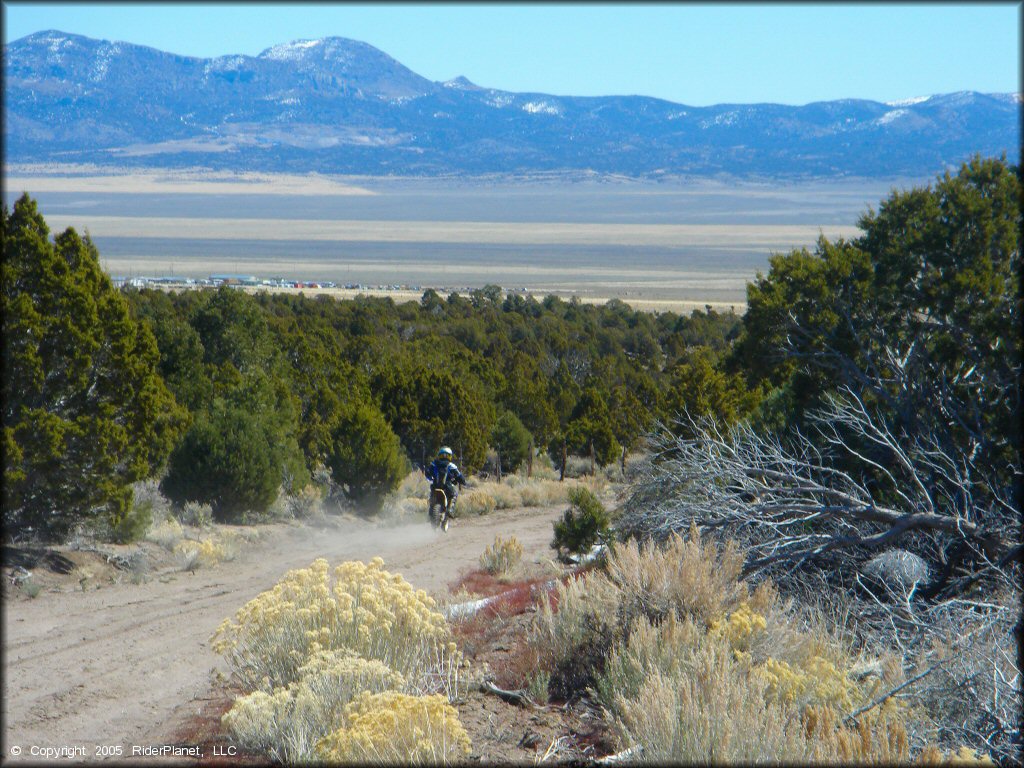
(132, 524)
(511, 440)
(366, 456)
(584, 523)
(229, 460)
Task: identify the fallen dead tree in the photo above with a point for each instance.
(792, 504)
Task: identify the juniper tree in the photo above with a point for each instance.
(85, 412)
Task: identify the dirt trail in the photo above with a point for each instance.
(123, 665)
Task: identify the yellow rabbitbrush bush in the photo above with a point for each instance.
(710, 676)
(207, 552)
(287, 724)
(393, 728)
(376, 614)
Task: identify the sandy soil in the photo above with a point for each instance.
(89, 179)
(763, 237)
(127, 664)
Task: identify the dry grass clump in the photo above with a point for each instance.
(476, 502)
(932, 755)
(393, 728)
(415, 485)
(167, 533)
(408, 500)
(505, 495)
(685, 577)
(542, 493)
(397, 511)
(501, 557)
(484, 497)
(706, 711)
(695, 666)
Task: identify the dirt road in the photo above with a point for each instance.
(123, 665)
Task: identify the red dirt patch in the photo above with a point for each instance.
(205, 731)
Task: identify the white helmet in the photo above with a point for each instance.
(445, 453)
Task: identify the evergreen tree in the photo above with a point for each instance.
(229, 459)
(85, 412)
(366, 459)
(511, 440)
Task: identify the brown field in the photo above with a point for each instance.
(87, 179)
(671, 245)
(706, 236)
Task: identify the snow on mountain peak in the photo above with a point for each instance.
(289, 51)
(907, 102)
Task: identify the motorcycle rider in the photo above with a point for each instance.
(444, 473)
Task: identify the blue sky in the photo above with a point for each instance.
(693, 54)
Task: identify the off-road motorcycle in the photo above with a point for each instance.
(440, 508)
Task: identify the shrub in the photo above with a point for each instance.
(305, 503)
(414, 485)
(366, 458)
(31, 589)
(476, 503)
(540, 493)
(681, 577)
(694, 666)
(511, 441)
(505, 496)
(394, 728)
(932, 755)
(584, 523)
(707, 712)
(361, 607)
(500, 558)
(147, 492)
(202, 553)
(229, 459)
(197, 515)
(167, 534)
(571, 642)
(288, 723)
(132, 523)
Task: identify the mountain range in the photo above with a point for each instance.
(342, 106)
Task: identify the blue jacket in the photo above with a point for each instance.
(443, 473)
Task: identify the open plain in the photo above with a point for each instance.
(670, 244)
